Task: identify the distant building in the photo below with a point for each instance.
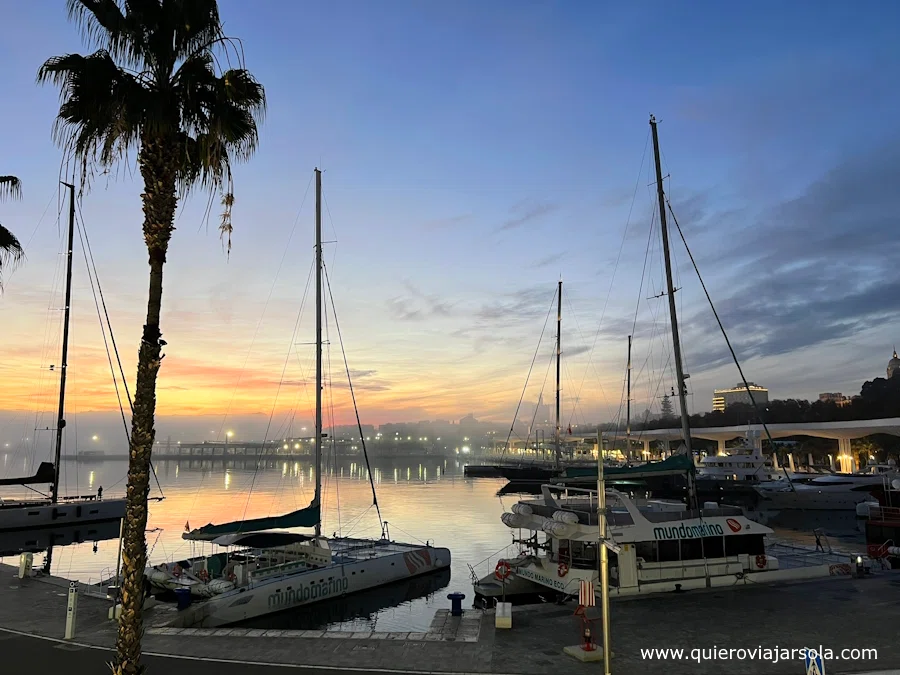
(722, 398)
(835, 397)
(893, 366)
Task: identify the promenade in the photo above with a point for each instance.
(836, 613)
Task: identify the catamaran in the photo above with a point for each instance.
(53, 511)
(265, 569)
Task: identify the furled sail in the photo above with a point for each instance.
(45, 474)
(308, 517)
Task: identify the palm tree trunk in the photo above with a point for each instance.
(157, 164)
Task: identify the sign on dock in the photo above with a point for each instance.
(815, 665)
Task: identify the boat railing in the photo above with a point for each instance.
(790, 556)
(884, 513)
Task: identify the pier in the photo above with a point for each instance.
(837, 613)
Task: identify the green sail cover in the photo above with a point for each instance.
(308, 517)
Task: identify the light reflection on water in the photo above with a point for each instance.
(421, 498)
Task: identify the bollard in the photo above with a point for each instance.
(456, 603)
(25, 561)
(70, 610)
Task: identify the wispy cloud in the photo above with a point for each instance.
(419, 305)
(525, 212)
(546, 261)
(450, 221)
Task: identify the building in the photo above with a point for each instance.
(835, 397)
(893, 366)
(722, 398)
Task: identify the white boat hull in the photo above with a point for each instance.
(36, 515)
(311, 586)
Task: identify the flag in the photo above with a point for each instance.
(570, 430)
(187, 526)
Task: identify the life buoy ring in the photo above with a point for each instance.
(761, 561)
(176, 571)
(203, 575)
(232, 577)
(502, 570)
(562, 570)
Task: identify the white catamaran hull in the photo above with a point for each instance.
(308, 587)
(35, 515)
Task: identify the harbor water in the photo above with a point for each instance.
(422, 499)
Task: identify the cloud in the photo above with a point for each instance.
(420, 306)
(451, 221)
(525, 212)
(810, 269)
(549, 260)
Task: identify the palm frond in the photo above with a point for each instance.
(102, 108)
(196, 26)
(10, 187)
(11, 252)
(103, 23)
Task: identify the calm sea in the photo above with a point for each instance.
(421, 499)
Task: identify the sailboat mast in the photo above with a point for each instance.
(63, 368)
(558, 352)
(318, 497)
(628, 403)
(670, 287)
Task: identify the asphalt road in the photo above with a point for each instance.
(21, 654)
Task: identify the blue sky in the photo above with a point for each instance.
(474, 152)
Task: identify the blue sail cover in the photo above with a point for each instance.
(308, 517)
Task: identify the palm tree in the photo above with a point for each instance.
(11, 251)
(154, 85)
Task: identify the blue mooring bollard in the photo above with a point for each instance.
(456, 603)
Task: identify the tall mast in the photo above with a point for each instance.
(63, 368)
(558, 352)
(628, 404)
(318, 497)
(670, 287)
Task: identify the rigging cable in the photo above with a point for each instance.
(727, 341)
(92, 267)
(616, 267)
(362, 438)
(528, 376)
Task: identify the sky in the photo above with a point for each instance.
(473, 154)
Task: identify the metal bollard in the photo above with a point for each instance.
(71, 610)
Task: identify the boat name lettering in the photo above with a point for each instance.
(323, 589)
(540, 578)
(683, 531)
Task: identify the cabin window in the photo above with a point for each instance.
(746, 544)
(668, 551)
(646, 550)
(691, 549)
(714, 547)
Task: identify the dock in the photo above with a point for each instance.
(837, 613)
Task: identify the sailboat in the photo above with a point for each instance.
(261, 571)
(657, 545)
(53, 511)
(531, 472)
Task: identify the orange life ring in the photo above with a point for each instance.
(562, 570)
(176, 571)
(761, 561)
(203, 575)
(502, 570)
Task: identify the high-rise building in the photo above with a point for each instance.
(722, 398)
